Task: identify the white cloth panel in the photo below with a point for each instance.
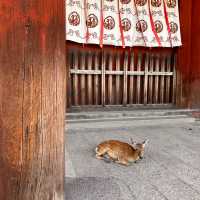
(150, 23)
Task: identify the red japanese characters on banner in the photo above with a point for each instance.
(150, 23)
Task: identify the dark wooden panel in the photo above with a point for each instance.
(32, 99)
(184, 54)
(195, 57)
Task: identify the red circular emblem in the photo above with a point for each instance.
(141, 26)
(125, 1)
(74, 18)
(140, 2)
(92, 21)
(109, 23)
(171, 3)
(158, 26)
(173, 27)
(126, 24)
(156, 3)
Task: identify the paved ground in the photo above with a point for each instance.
(169, 171)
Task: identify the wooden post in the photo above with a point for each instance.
(125, 79)
(157, 58)
(103, 76)
(146, 78)
(118, 79)
(96, 80)
(150, 85)
(139, 65)
(110, 79)
(131, 84)
(32, 99)
(89, 79)
(75, 78)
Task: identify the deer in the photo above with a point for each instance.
(121, 152)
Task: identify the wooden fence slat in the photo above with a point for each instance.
(96, 80)
(174, 80)
(146, 78)
(156, 80)
(69, 79)
(150, 84)
(110, 88)
(131, 84)
(89, 80)
(103, 88)
(83, 80)
(168, 78)
(144, 85)
(162, 80)
(117, 78)
(125, 83)
(138, 85)
(75, 82)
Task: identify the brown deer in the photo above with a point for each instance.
(120, 152)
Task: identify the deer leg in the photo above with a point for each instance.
(100, 153)
(99, 157)
(122, 161)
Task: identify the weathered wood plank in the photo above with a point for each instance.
(75, 79)
(138, 84)
(69, 80)
(32, 99)
(96, 80)
(109, 72)
(83, 79)
(150, 84)
(110, 80)
(146, 78)
(131, 85)
(162, 80)
(118, 78)
(103, 86)
(174, 92)
(156, 79)
(125, 82)
(168, 79)
(89, 80)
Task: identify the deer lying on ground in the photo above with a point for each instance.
(120, 152)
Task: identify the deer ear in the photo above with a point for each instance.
(133, 142)
(145, 142)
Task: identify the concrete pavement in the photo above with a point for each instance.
(169, 171)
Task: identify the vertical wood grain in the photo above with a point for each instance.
(125, 82)
(32, 102)
(131, 84)
(89, 80)
(156, 79)
(146, 78)
(138, 84)
(110, 79)
(96, 80)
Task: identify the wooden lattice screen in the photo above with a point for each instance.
(121, 78)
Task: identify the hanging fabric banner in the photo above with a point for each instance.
(150, 23)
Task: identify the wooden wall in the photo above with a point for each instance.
(184, 55)
(195, 56)
(32, 99)
(189, 55)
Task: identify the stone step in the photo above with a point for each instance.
(114, 115)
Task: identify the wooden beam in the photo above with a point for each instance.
(32, 99)
(184, 54)
(194, 95)
(125, 80)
